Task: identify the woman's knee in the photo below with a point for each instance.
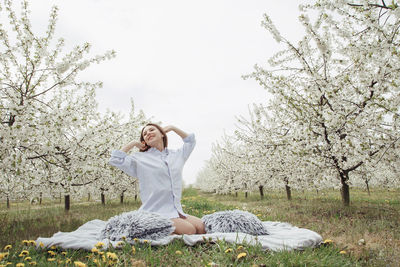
(183, 227)
(187, 229)
(191, 230)
(198, 224)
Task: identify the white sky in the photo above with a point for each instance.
(181, 61)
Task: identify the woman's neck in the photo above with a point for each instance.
(159, 146)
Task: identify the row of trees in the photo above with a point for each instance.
(333, 117)
(53, 140)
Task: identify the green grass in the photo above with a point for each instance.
(374, 218)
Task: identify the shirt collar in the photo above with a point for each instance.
(155, 150)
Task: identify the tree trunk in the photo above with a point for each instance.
(288, 192)
(121, 198)
(345, 190)
(40, 198)
(261, 188)
(67, 203)
(135, 197)
(236, 194)
(60, 198)
(366, 182)
(103, 199)
(8, 202)
(245, 194)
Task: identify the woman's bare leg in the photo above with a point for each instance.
(197, 223)
(189, 225)
(182, 226)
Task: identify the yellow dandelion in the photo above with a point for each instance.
(68, 261)
(3, 255)
(20, 265)
(41, 244)
(228, 250)
(24, 253)
(145, 241)
(8, 247)
(52, 253)
(101, 252)
(135, 239)
(33, 263)
(53, 247)
(258, 215)
(241, 255)
(99, 245)
(32, 242)
(95, 250)
(342, 252)
(103, 258)
(25, 242)
(111, 256)
(178, 252)
(64, 253)
(79, 264)
(328, 241)
(239, 247)
(133, 250)
(120, 244)
(28, 258)
(124, 238)
(51, 259)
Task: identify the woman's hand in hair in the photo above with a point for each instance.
(132, 144)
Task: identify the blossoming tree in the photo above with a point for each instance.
(40, 118)
(338, 86)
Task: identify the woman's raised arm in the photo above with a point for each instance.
(178, 131)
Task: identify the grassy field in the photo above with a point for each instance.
(373, 218)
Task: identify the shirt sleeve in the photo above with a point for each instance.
(124, 162)
(188, 144)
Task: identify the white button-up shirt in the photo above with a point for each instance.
(159, 174)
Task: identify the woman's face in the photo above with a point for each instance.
(152, 135)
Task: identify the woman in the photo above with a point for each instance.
(159, 171)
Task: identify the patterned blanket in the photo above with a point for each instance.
(283, 236)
